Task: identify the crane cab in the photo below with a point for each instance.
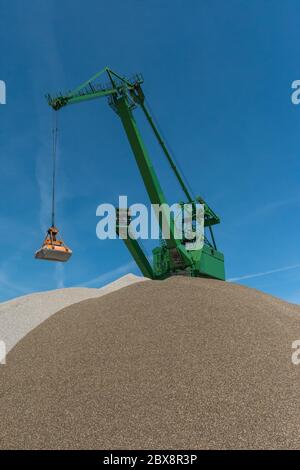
(53, 249)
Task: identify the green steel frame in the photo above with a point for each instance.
(171, 257)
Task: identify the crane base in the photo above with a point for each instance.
(206, 262)
(211, 263)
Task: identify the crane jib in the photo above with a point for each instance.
(172, 257)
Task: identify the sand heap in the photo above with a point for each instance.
(183, 363)
(21, 315)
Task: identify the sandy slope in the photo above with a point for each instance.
(183, 363)
(21, 315)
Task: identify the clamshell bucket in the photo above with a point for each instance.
(53, 249)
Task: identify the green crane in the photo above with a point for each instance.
(173, 256)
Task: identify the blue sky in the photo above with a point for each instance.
(217, 75)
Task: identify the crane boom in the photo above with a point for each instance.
(172, 257)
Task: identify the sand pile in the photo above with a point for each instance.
(21, 315)
(183, 363)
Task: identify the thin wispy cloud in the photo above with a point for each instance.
(6, 282)
(274, 206)
(52, 63)
(109, 276)
(43, 181)
(252, 215)
(59, 276)
(10, 285)
(264, 273)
